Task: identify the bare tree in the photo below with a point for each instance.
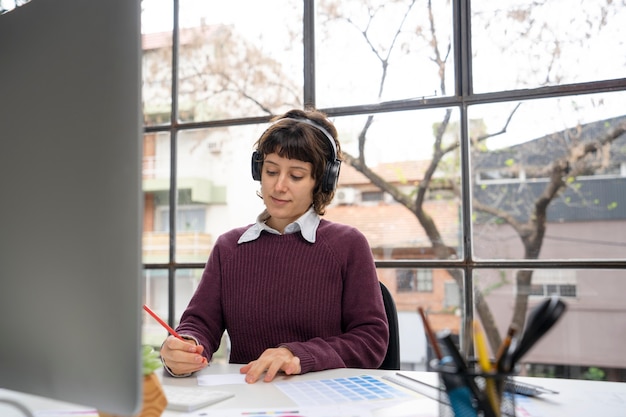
(578, 158)
(221, 75)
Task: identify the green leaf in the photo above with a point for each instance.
(151, 359)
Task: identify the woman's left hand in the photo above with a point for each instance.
(271, 362)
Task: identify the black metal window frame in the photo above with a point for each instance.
(462, 98)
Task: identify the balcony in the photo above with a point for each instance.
(190, 247)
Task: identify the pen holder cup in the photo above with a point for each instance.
(474, 394)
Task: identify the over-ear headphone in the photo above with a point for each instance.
(331, 171)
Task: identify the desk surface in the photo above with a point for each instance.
(576, 398)
(266, 396)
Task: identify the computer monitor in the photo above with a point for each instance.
(70, 202)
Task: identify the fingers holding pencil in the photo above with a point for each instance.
(183, 357)
(180, 355)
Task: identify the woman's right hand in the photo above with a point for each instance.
(183, 357)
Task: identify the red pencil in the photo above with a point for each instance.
(430, 334)
(164, 324)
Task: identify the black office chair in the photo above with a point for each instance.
(392, 358)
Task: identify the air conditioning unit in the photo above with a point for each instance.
(345, 196)
(215, 146)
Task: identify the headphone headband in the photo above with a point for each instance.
(318, 127)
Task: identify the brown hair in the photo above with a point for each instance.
(291, 138)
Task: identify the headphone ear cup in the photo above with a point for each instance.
(257, 163)
(331, 176)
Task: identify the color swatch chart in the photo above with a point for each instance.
(340, 391)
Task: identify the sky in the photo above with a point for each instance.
(534, 118)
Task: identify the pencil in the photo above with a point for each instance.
(430, 334)
(162, 323)
(504, 347)
(485, 366)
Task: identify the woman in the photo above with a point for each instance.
(296, 293)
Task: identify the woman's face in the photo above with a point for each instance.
(287, 189)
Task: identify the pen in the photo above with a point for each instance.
(162, 323)
(526, 389)
(415, 380)
(516, 387)
(408, 385)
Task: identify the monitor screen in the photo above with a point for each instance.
(70, 205)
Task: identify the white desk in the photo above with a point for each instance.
(259, 396)
(262, 395)
(575, 399)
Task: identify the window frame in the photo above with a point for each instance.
(462, 99)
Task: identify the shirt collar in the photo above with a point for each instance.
(305, 224)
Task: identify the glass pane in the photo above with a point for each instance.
(156, 29)
(187, 281)
(442, 305)
(530, 44)
(156, 188)
(585, 342)
(374, 51)
(216, 191)
(155, 297)
(157, 16)
(239, 64)
(551, 184)
(398, 153)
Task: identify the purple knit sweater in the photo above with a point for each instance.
(321, 300)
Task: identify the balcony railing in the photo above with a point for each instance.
(190, 247)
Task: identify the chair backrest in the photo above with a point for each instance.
(392, 358)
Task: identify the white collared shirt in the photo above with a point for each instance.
(305, 224)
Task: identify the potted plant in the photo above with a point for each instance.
(154, 400)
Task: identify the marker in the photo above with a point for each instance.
(461, 368)
(459, 394)
(164, 324)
